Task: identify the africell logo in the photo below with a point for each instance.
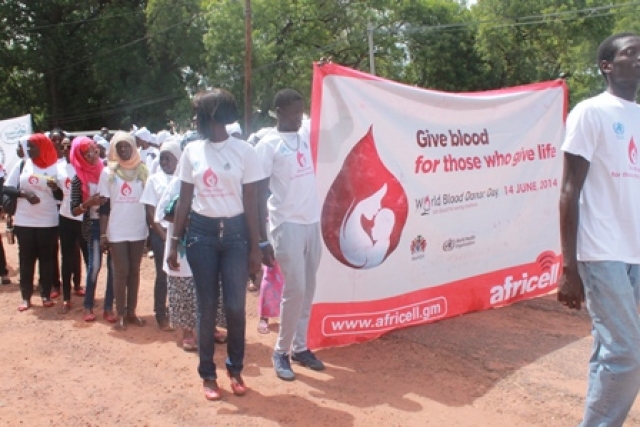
(125, 190)
(633, 152)
(67, 183)
(514, 287)
(302, 160)
(365, 210)
(209, 178)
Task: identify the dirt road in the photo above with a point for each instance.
(523, 365)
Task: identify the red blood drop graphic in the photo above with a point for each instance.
(209, 178)
(67, 183)
(33, 180)
(125, 190)
(633, 152)
(365, 210)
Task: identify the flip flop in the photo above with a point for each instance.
(263, 327)
(55, 293)
(80, 292)
(26, 305)
(189, 344)
(47, 303)
(89, 317)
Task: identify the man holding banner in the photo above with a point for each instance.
(600, 229)
(294, 220)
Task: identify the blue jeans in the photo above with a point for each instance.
(612, 291)
(217, 247)
(94, 263)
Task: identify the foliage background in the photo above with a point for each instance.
(84, 64)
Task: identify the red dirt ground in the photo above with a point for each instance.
(523, 365)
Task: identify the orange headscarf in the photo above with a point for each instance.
(124, 168)
(48, 155)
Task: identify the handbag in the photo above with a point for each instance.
(10, 202)
(271, 291)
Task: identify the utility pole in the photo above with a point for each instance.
(248, 42)
(372, 64)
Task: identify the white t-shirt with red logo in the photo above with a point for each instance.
(605, 130)
(67, 172)
(218, 171)
(127, 219)
(286, 160)
(34, 179)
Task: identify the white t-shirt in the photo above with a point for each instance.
(32, 178)
(605, 130)
(127, 220)
(64, 182)
(156, 184)
(294, 197)
(148, 155)
(172, 190)
(218, 172)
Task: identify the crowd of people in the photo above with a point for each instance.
(199, 205)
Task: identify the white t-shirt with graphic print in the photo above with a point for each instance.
(127, 219)
(286, 159)
(605, 130)
(218, 172)
(33, 178)
(67, 172)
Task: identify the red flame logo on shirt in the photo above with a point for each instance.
(67, 183)
(365, 210)
(302, 160)
(125, 190)
(33, 180)
(633, 152)
(209, 178)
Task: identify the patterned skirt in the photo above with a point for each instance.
(183, 309)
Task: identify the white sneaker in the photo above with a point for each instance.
(150, 254)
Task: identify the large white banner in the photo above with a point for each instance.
(433, 204)
(11, 131)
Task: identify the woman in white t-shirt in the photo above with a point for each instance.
(218, 194)
(169, 155)
(123, 225)
(34, 181)
(70, 229)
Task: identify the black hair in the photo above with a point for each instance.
(608, 49)
(217, 105)
(286, 97)
(58, 131)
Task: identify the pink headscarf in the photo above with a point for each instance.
(87, 173)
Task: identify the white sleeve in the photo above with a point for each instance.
(169, 193)
(252, 169)
(149, 194)
(14, 176)
(265, 154)
(103, 184)
(583, 130)
(184, 171)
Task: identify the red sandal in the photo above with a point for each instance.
(211, 390)
(237, 384)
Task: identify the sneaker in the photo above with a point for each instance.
(282, 365)
(150, 254)
(308, 359)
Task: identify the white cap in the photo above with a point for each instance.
(234, 128)
(144, 134)
(162, 136)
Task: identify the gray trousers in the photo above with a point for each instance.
(297, 249)
(126, 258)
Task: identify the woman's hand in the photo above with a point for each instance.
(52, 184)
(104, 243)
(31, 197)
(94, 200)
(267, 255)
(172, 259)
